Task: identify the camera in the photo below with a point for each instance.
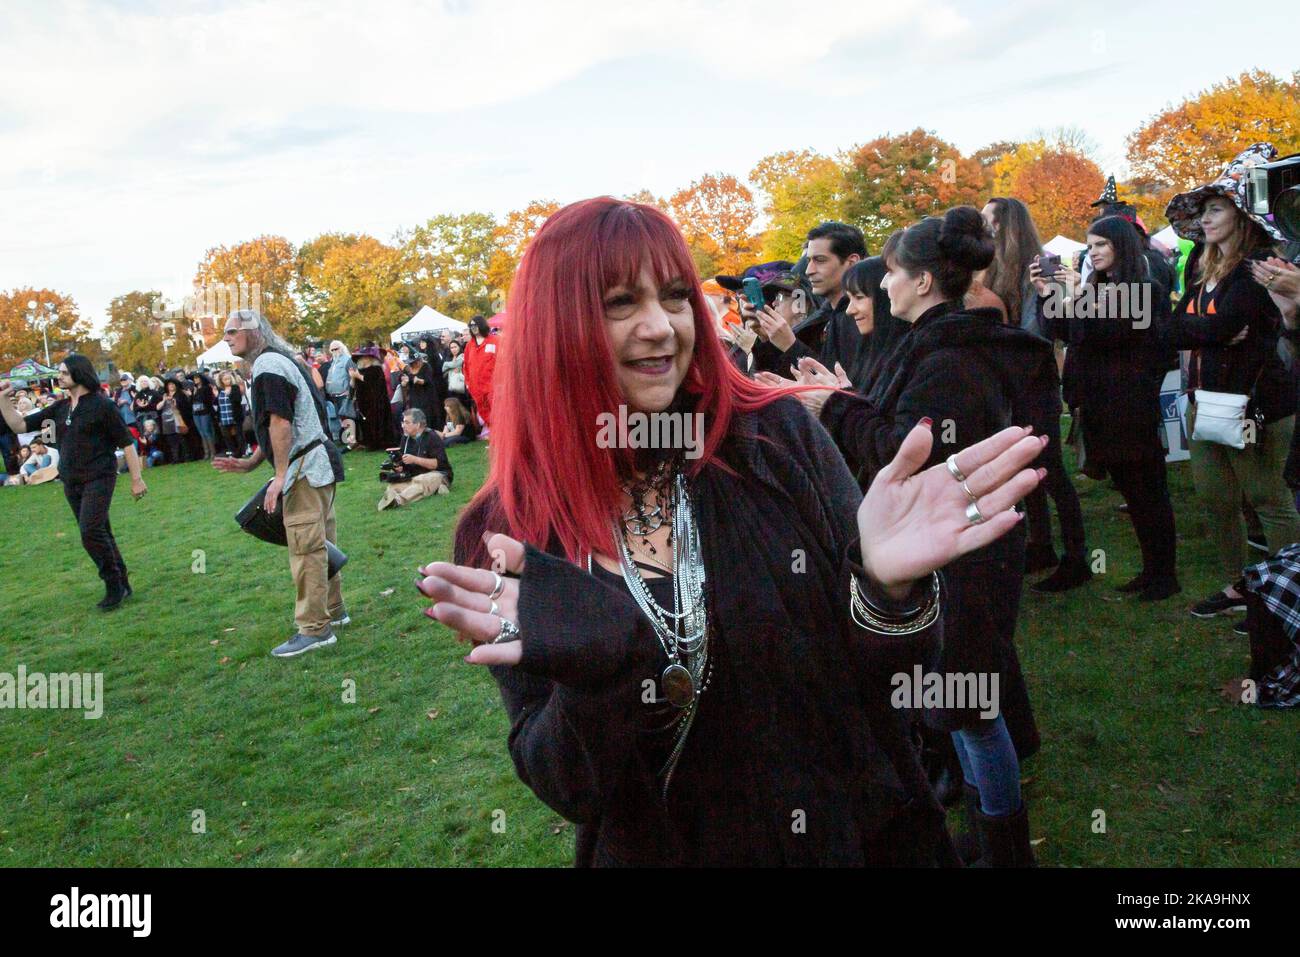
(393, 470)
(1048, 265)
(1274, 189)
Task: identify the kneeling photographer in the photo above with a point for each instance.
(419, 467)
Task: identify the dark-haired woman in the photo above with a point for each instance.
(480, 365)
(88, 431)
(971, 374)
(1112, 382)
(203, 402)
(1231, 324)
(174, 417)
(752, 726)
(868, 305)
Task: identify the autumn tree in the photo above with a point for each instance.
(21, 326)
(133, 334)
(647, 198)
(893, 181)
(313, 302)
(267, 262)
(1059, 188)
(509, 240)
(447, 260)
(1189, 144)
(1006, 168)
(716, 214)
(362, 290)
(802, 188)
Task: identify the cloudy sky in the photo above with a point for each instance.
(135, 135)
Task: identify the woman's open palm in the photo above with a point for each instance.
(912, 523)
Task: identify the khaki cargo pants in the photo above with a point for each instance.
(308, 523)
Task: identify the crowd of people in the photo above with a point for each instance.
(700, 654)
(193, 415)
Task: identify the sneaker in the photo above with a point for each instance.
(343, 619)
(1258, 543)
(1218, 604)
(300, 643)
(1239, 628)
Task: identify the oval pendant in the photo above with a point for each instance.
(678, 686)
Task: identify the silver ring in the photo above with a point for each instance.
(966, 488)
(973, 514)
(953, 470)
(494, 610)
(509, 632)
(498, 586)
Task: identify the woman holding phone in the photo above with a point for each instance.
(695, 653)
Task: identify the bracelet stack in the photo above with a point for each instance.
(869, 617)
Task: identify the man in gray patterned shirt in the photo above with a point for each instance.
(292, 434)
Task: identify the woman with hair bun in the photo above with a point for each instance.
(972, 375)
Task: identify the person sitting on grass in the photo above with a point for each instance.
(461, 425)
(424, 469)
(42, 464)
(150, 442)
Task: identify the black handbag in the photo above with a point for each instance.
(269, 526)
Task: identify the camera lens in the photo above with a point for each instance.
(1286, 213)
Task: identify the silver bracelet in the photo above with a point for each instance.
(918, 620)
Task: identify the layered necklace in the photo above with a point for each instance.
(683, 630)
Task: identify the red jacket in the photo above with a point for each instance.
(480, 362)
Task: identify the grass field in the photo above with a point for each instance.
(199, 718)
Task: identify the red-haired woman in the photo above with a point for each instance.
(694, 650)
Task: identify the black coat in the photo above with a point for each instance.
(1250, 367)
(1112, 376)
(796, 724)
(973, 376)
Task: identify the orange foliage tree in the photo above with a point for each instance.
(362, 288)
(270, 263)
(20, 326)
(1188, 144)
(893, 181)
(1058, 188)
(716, 214)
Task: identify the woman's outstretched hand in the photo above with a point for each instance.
(912, 523)
(462, 604)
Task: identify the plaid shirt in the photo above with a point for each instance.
(1277, 583)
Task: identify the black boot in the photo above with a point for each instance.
(1071, 573)
(1135, 584)
(1160, 588)
(1039, 556)
(1004, 841)
(114, 596)
(968, 843)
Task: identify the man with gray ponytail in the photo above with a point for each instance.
(292, 433)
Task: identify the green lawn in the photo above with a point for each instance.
(198, 717)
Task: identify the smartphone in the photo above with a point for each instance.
(754, 292)
(1048, 264)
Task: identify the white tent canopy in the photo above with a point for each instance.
(427, 320)
(218, 353)
(1061, 246)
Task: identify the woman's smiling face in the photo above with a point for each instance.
(651, 331)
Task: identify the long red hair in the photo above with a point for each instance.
(555, 376)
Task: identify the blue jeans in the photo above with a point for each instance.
(204, 424)
(989, 764)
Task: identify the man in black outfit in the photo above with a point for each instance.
(87, 430)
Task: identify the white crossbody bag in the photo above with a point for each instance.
(1221, 418)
